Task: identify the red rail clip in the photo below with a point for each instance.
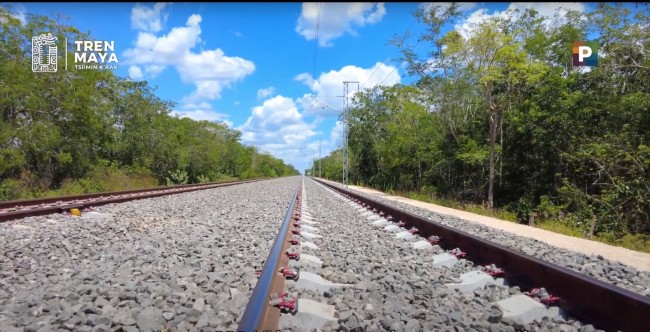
(401, 224)
(541, 295)
(414, 230)
(288, 303)
(295, 231)
(294, 241)
(434, 239)
(293, 255)
(458, 253)
(296, 224)
(494, 271)
(290, 274)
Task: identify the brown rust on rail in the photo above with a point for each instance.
(271, 320)
(590, 300)
(96, 199)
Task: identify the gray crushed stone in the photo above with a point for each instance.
(613, 272)
(396, 290)
(185, 262)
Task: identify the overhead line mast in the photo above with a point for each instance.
(346, 126)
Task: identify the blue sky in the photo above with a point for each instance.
(252, 64)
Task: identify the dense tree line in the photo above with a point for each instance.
(71, 125)
(500, 117)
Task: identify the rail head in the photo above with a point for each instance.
(259, 315)
(45, 200)
(594, 301)
(39, 207)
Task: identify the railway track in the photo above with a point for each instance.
(331, 265)
(584, 298)
(10, 210)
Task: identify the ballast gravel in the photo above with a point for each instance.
(613, 272)
(184, 262)
(396, 288)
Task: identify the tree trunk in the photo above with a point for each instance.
(593, 225)
(493, 139)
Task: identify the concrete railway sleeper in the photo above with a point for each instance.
(475, 270)
(339, 262)
(183, 262)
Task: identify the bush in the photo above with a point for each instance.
(11, 189)
(203, 179)
(104, 179)
(522, 209)
(177, 177)
(639, 242)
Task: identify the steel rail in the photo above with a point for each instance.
(11, 210)
(592, 301)
(45, 200)
(259, 314)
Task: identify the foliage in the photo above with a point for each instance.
(60, 131)
(499, 117)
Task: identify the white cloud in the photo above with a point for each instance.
(201, 114)
(154, 70)
(441, 6)
(267, 92)
(330, 85)
(20, 13)
(277, 127)
(203, 105)
(209, 70)
(149, 18)
(135, 73)
(547, 9)
(335, 19)
(338, 134)
(17, 11)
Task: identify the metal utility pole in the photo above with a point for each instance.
(320, 160)
(346, 126)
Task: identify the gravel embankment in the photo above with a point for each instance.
(397, 288)
(613, 272)
(185, 262)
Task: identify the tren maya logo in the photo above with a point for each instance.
(88, 54)
(585, 53)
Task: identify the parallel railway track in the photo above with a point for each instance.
(605, 305)
(602, 304)
(10, 210)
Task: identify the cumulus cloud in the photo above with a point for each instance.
(441, 6)
(135, 73)
(547, 9)
(337, 135)
(200, 115)
(201, 112)
(330, 85)
(209, 70)
(277, 127)
(332, 20)
(267, 92)
(149, 18)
